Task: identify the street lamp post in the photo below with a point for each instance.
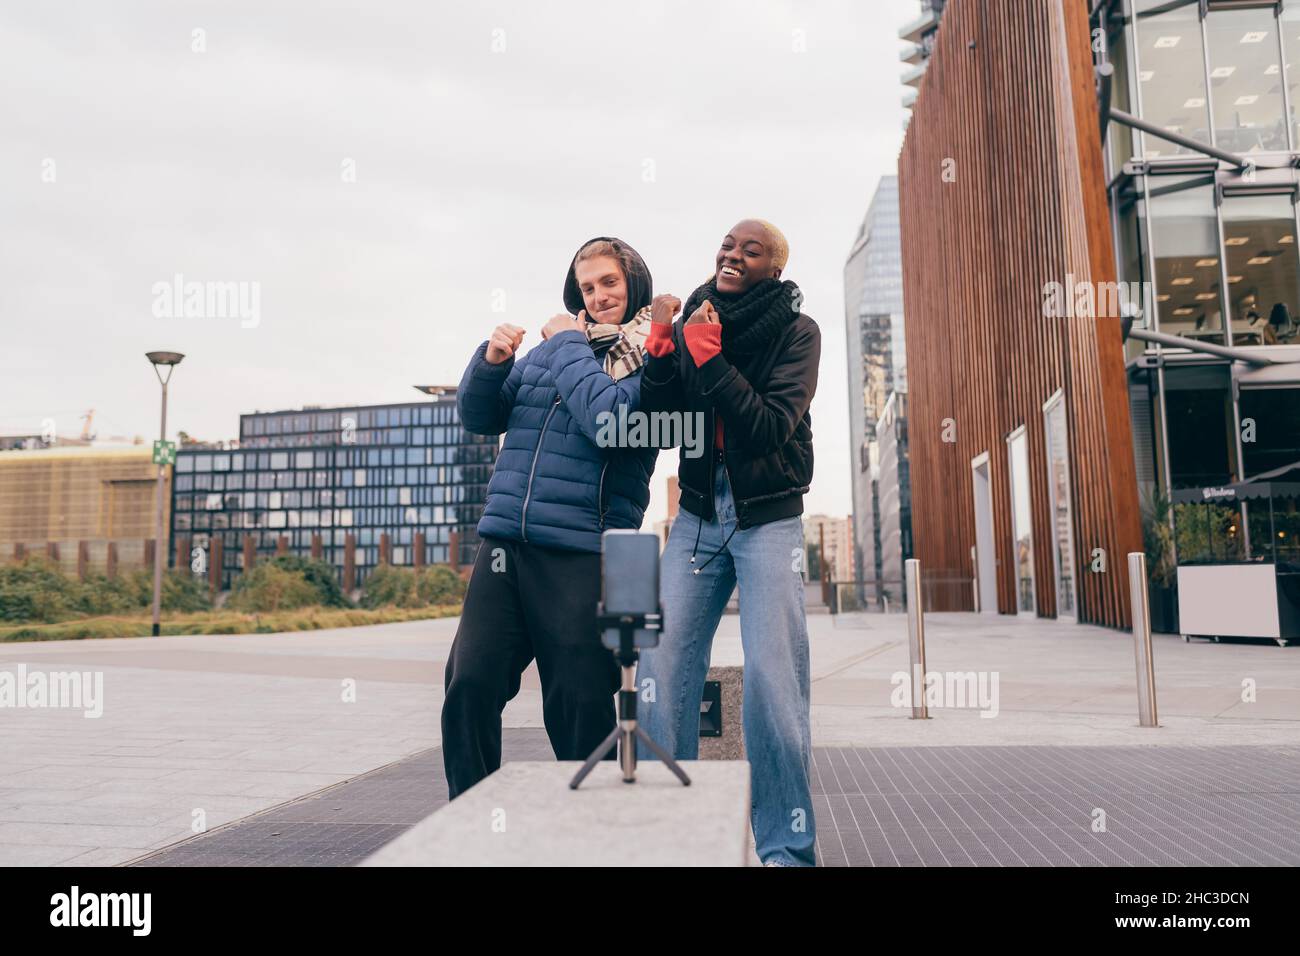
(160, 360)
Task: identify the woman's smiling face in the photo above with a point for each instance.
(604, 289)
(745, 258)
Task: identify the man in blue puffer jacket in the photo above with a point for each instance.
(556, 487)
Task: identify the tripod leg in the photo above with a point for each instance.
(659, 752)
(596, 756)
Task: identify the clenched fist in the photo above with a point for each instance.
(663, 308)
(503, 343)
(564, 323)
(706, 313)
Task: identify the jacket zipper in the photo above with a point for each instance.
(600, 496)
(528, 493)
(735, 499)
(712, 437)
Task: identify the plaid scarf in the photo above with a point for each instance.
(626, 352)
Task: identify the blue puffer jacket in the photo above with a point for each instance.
(553, 485)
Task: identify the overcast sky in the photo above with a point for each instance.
(487, 142)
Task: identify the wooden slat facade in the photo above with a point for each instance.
(1008, 103)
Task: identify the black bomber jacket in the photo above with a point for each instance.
(764, 400)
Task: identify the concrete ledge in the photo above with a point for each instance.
(526, 815)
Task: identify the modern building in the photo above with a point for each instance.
(404, 475)
(893, 496)
(38, 442)
(920, 36)
(1022, 457)
(877, 368)
(665, 525)
(79, 504)
(832, 538)
(1203, 203)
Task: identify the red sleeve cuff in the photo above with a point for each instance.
(660, 342)
(703, 341)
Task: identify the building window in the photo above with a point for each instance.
(1171, 74)
(1022, 538)
(1289, 21)
(1198, 415)
(1131, 243)
(1245, 81)
(1059, 502)
(1185, 243)
(1260, 249)
(1119, 137)
(1274, 414)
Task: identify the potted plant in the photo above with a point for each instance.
(1162, 579)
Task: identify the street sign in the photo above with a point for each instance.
(164, 453)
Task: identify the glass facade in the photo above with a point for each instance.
(364, 471)
(1215, 239)
(1022, 534)
(1170, 77)
(1058, 488)
(1260, 251)
(877, 372)
(1249, 113)
(893, 491)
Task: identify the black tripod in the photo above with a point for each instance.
(628, 731)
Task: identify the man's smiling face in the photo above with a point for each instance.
(745, 258)
(604, 289)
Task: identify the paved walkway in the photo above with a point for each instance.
(884, 806)
(214, 729)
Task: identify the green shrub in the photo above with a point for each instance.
(388, 586)
(182, 591)
(35, 589)
(219, 622)
(103, 595)
(319, 574)
(1157, 539)
(270, 587)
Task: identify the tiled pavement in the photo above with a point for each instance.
(1038, 806)
(342, 825)
(238, 725)
(889, 806)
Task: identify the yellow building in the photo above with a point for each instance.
(69, 495)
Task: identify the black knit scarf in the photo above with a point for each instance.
(753, 318)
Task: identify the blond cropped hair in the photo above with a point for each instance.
(780, 247)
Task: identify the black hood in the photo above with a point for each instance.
(640, 287)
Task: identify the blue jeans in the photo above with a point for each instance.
(774, 632)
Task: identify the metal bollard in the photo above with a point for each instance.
(1146, 673)
(916, 638)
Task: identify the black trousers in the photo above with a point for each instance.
(526, 602)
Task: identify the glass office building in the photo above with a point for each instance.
(1207, 222)
(365, 471)
(877, 371)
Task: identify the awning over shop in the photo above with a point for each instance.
(1265, 486)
